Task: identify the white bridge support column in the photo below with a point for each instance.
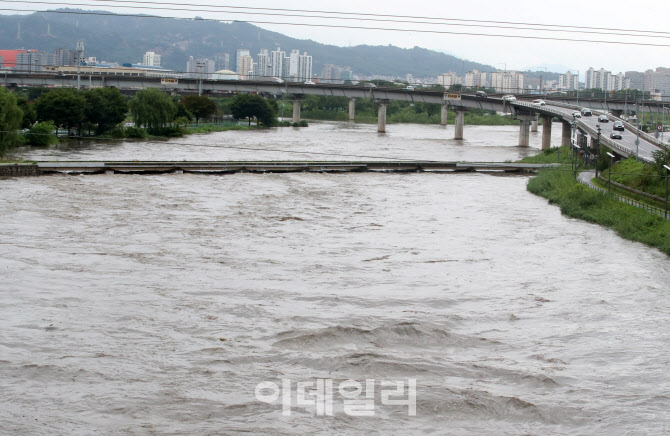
(444, 119)
(352, 109)
(460, 121)
(566, 135)
(524, 130)
(546, 132)
(296, 111)
(533, 125)
(381, 116)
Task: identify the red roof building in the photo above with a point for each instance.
(9, 57)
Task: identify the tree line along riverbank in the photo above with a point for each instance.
(559, 186)
(43, 116)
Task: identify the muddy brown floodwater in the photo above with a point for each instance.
(156, 304)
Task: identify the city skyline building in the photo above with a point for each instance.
(507, 81)
(657, 81)
(277, 60)
(79, 56)
(605, 80)
(238, 61)
(245, 67)
(32, 60)
(222, 61)
(294, 64)
(305, 67)
(568, 81)
(475, 78)
(200, 68)
(263, 65)
(449, 79)
(151, 59)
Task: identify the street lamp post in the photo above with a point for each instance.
(597, 151)
(667, 173)
(663, 122)
(639, 127)
(609, 175)
(575, 169)
(572, 144)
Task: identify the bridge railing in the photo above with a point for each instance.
(536, 107)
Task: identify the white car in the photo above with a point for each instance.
(409, 88)
(309, 82)
(509, 98)
(540, 102)
(577, 114)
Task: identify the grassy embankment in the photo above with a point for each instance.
(577, 201)
(553, 155)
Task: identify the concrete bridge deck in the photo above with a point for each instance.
(228, 167)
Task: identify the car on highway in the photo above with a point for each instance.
(577, 114)
(618, 125)
(370, 85)
(616, 135)
(309, 82)
(409, 88)
(481, 94)
(539, 101)
(603, 119)
(509, 98)
(586, 112)
(277, 80)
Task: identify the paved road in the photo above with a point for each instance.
(645, 149)
(586, 176)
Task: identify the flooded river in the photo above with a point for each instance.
(320, 141)
(161, 304)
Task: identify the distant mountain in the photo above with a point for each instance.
(123, 39)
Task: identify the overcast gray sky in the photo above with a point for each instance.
(510, 53)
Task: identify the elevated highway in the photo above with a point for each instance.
(634, 142)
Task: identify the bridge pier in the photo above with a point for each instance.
(524, 129)
(444, 120)
(296, 111)
(546, 132)
(566, 134)
(533, 124)
(352, 110)
(459, 123)
(381, 116)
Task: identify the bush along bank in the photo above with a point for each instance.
(577, 201)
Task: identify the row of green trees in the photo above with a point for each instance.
(10, 120)
(101, 111)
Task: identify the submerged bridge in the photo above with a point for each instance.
(574, 130)
(230, 167)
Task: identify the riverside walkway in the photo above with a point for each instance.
(586, 177)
